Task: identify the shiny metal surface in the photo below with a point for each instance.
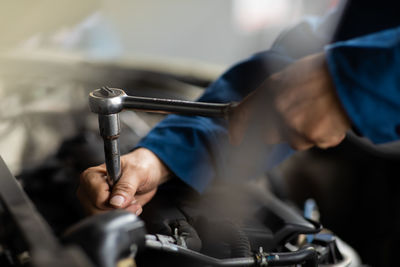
(110, 129)
(113, 100)
(108, 102)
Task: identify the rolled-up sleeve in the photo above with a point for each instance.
(366, 74)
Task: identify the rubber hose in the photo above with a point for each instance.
(239, 242)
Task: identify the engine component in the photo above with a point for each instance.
(306, 256)
(25, 238)
(108, 237)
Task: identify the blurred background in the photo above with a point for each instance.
(52, 53)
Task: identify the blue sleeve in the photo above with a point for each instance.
(366, 74)
(195, 148)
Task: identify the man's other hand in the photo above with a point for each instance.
(298, 105)
(142, 172)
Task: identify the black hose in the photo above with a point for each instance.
(196, 257)
(306, 256)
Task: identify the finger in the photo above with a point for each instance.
(300, 145)
(332, 142)
(299, 142)
(87, 205)
(93, 185)
(135, 208)
(124, 190)
(328, 132)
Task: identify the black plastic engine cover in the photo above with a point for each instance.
(227, 217)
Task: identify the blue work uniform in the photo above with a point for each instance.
(363, 59)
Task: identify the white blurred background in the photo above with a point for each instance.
(219, 32)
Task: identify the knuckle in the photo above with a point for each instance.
(324, 145)
(313, 136)
(315, 133)
(334, 141)
(86, 173)
(300, 143)
(125, 188)
(331, 142)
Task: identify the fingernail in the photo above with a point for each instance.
(117, 201)
(139, 211)
(133, 201)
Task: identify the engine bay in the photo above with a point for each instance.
(249, 228)
(268, 221)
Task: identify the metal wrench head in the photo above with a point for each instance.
(107, 103)
(106, 100)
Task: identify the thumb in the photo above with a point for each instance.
(124, 190)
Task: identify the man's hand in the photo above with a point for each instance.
(142, 172)
(298, 105)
